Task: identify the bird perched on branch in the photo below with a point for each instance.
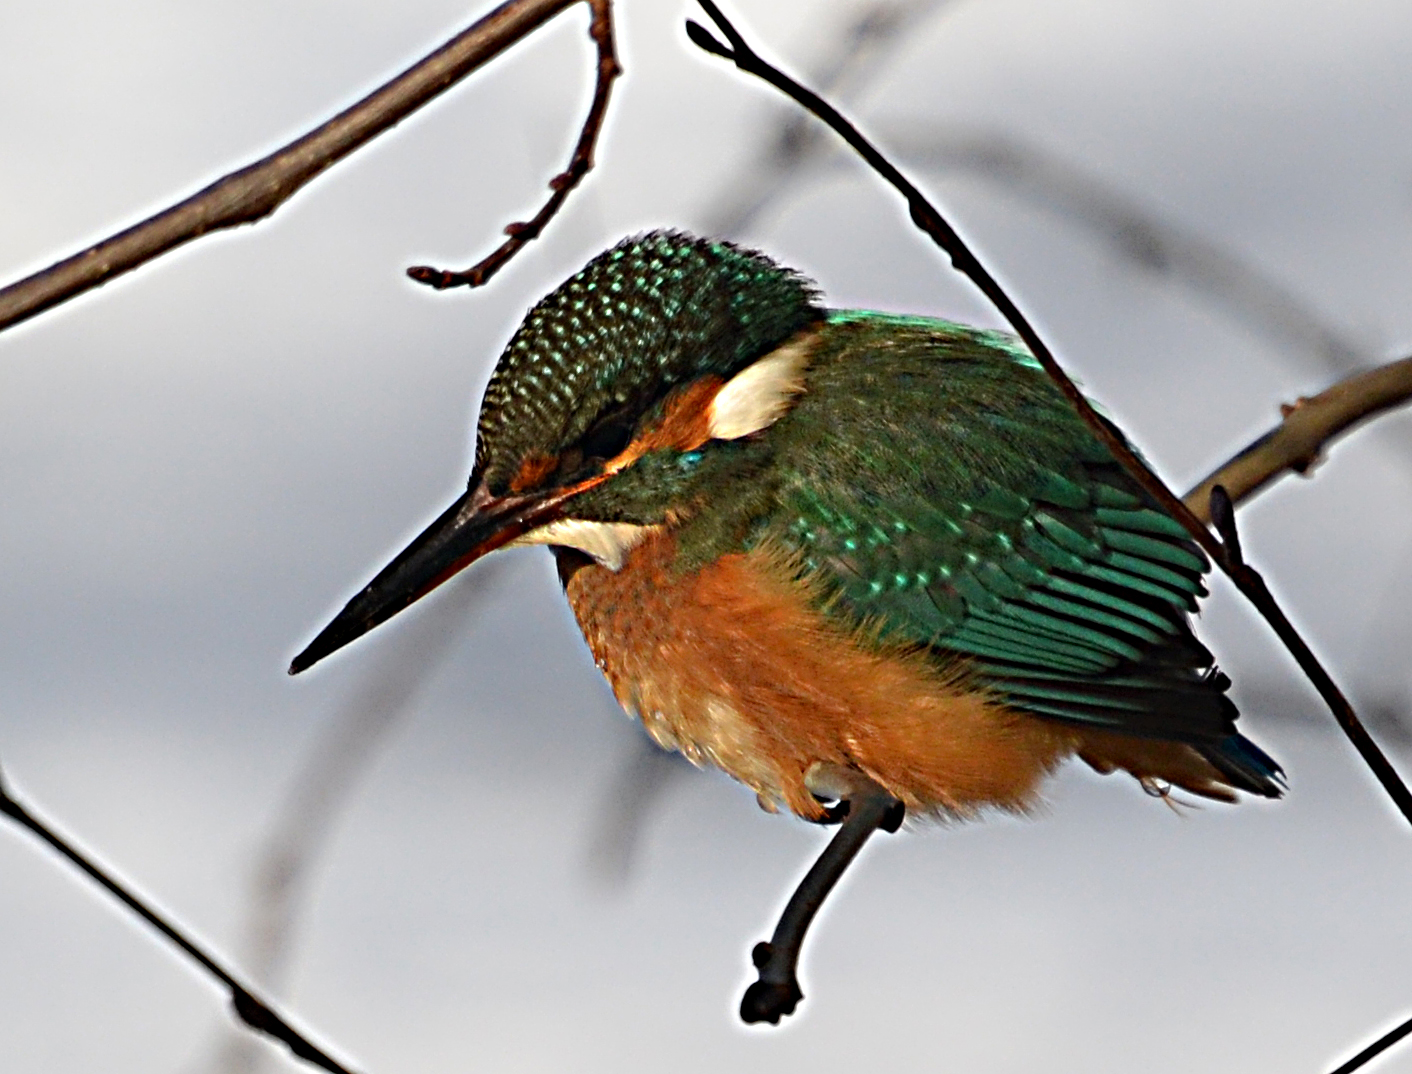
(836, 553)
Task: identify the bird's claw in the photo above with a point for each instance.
(836, 813)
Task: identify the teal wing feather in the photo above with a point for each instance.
(943, 484)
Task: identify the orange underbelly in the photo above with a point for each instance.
(735, 666)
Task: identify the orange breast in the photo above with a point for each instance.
(733, 665)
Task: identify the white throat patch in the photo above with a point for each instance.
(607, 542)
(758, 396)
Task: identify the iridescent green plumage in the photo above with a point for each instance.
(953, 495)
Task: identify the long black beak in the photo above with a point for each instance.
(475, 524)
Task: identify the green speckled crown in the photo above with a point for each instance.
(653, 312)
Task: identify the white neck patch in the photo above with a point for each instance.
(758, 396)
(607, 542)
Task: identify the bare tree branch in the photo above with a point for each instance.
(250, 1008)
(257, 190)
(964, 260)
(1310, 425)
(580, 164)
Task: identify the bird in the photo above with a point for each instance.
(834, 553)
(802, 542)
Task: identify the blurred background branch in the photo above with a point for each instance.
(862, 50)
(283, 866)
(1137, 233)
(795, 149)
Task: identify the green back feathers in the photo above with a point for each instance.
(939, 475)
(949, 492)
(651, 313)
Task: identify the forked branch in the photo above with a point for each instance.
(257, 190)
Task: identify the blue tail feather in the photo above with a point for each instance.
(1246, 765)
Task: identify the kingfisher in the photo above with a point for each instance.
(824, 549)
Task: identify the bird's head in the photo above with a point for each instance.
(622, 392)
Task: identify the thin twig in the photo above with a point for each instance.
(257, 190)
(252, 1010)
(928, 219)
(580, 164)
(863, 49)
(1310, 425)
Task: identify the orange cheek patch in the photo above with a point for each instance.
(687, 422)
(685, 425)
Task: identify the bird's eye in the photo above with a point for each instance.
(609, 436)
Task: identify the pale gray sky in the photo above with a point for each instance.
(201, 462)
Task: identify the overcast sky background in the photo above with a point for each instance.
(202, 461)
